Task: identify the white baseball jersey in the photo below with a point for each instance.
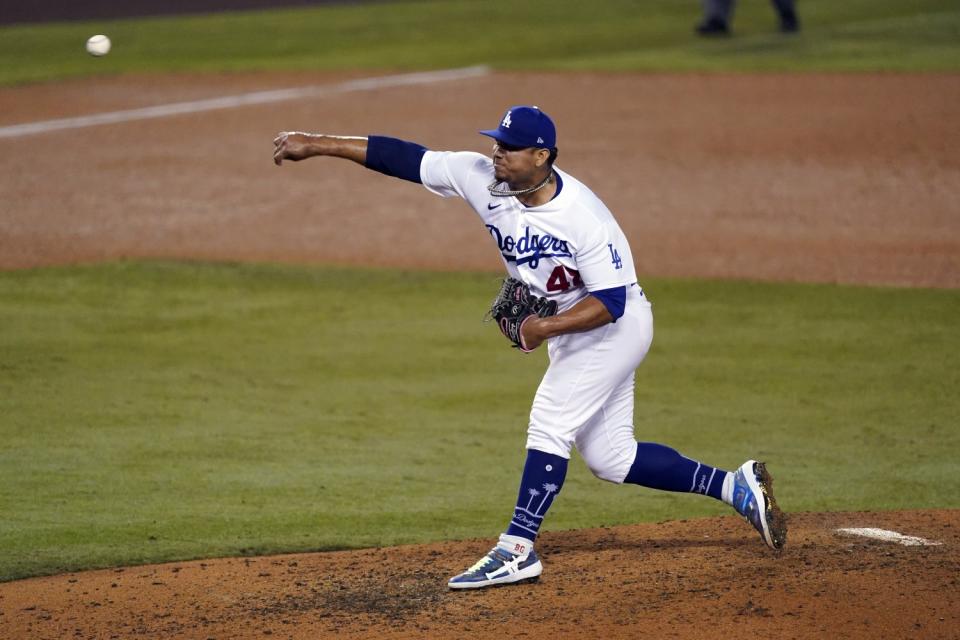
(561, 249)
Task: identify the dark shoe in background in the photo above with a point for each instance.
(713, 27)
(789, 22)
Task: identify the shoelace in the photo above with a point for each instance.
(482, 561)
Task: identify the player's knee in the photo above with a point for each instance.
(608, 464)
(544, 440)
(605, 473)
(609, 461)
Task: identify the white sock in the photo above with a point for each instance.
(726, 493)
(515, 544)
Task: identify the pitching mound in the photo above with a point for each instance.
(689, 579)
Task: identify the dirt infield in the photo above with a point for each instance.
(851, 179)
(690, 579)
(818, 178)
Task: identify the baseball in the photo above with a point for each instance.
(98, 45)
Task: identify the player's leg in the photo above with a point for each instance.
(584, 369)
(749, 489)
(607, 444)
(789, 23)
(513, 558)
(717, 15)
(608, 447)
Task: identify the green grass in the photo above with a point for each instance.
(165, 411)
(654, 35)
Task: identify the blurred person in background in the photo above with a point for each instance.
(717, 15)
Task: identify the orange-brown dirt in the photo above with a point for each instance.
(827, 178)
(689, 579)
(818, 178)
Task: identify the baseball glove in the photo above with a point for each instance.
(513, 306)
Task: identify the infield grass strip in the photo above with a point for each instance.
(654, 35)
(164, 411)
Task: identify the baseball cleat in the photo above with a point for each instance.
(753, 499)
(713, 27)
(499, 567)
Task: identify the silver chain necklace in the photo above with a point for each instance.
(503, 193)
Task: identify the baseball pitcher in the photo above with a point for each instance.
(572, 285)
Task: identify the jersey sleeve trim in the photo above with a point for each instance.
(394, 157)
(615, 300)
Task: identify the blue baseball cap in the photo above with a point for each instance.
(525, 127)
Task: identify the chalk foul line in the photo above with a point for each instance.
(242, 100)
(889, 536)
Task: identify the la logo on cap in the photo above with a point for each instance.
(506, 121)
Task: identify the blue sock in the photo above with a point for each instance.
(660, 467)
(543, 476)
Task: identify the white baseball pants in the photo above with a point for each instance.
(586, 396)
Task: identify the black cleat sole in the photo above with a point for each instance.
(776, 519)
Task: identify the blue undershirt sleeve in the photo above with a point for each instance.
(393, 157)
(613, 299)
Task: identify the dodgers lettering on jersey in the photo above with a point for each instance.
(529, 248)
(562, 249)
